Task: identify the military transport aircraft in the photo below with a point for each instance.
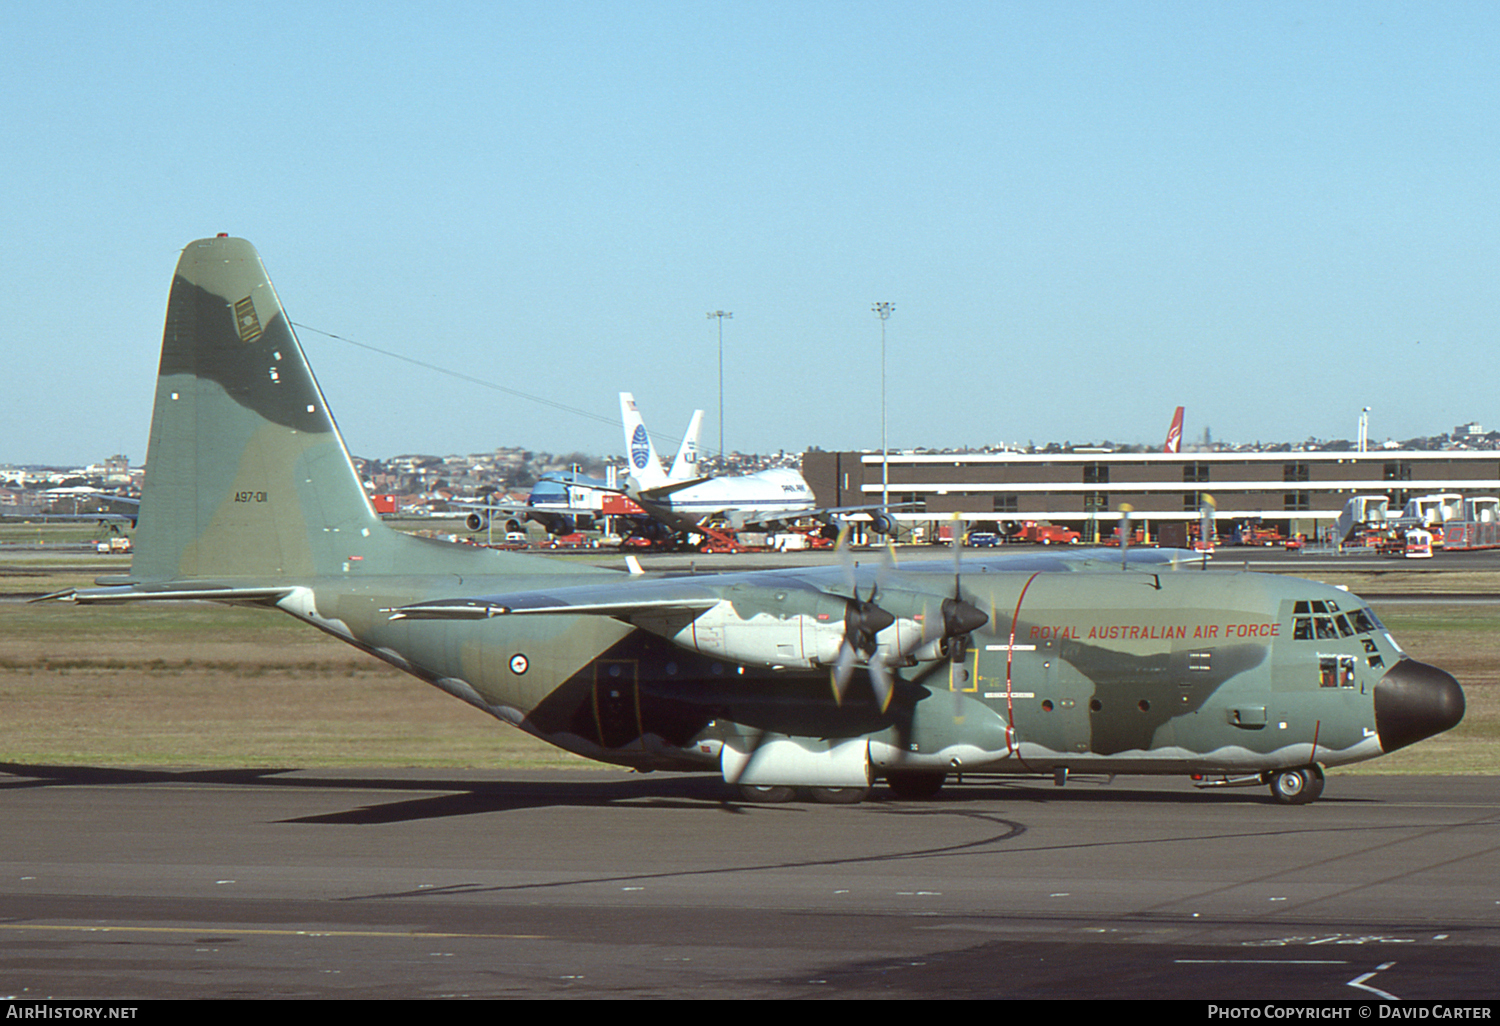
(813, 681)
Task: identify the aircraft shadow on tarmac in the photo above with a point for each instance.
(442, 798)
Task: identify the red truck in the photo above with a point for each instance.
(1049, 534)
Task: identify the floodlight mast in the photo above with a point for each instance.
(721, 314)
(883, 311)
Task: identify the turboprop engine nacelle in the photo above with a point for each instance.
(765, 635)
(787, 629)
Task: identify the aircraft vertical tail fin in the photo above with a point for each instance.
(247, 475)
(645, 465)
(685, 466)
(1174, 433)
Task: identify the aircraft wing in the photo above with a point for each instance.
(68, 518)
(631, 597)
(100, 516)
(623, 598)
(483, 506)
(662, 492)
(807, 619)
(1074, 558)
(826, 514)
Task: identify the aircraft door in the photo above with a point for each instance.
(1065, 703)
(1048, 699)
(617, 706)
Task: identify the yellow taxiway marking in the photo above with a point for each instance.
(239, 932)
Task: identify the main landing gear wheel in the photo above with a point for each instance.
(838, 795)
(915, 785)
(1296, 786)
(765, 793)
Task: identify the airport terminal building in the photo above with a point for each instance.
(1084, 489)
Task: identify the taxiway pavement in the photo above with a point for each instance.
(130, 884)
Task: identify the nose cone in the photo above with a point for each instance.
(1413, 701)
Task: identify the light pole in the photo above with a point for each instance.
(721, 314)
(883, 311)
(1364, 429)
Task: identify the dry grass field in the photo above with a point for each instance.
(193, 684)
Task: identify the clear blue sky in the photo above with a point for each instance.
(1086, 214)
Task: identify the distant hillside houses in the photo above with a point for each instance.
(421, 478)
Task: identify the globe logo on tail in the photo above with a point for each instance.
(640, 447)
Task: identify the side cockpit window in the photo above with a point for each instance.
(1336, 671)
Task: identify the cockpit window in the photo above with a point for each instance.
(1321, 618)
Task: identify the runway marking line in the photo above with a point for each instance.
(1260, 961)
(240, 932)
(1359, 981)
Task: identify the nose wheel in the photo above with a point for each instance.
(1296, 786)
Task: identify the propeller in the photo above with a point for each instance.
(1125, 510)
(863, 620)
(951, 623)
(960, 617)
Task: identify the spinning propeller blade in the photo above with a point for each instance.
(863, 620)
(960, 618)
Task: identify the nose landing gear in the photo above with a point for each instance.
(1296, 786)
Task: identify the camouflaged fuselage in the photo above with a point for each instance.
(1028, 662)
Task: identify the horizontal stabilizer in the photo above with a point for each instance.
(130, 593)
